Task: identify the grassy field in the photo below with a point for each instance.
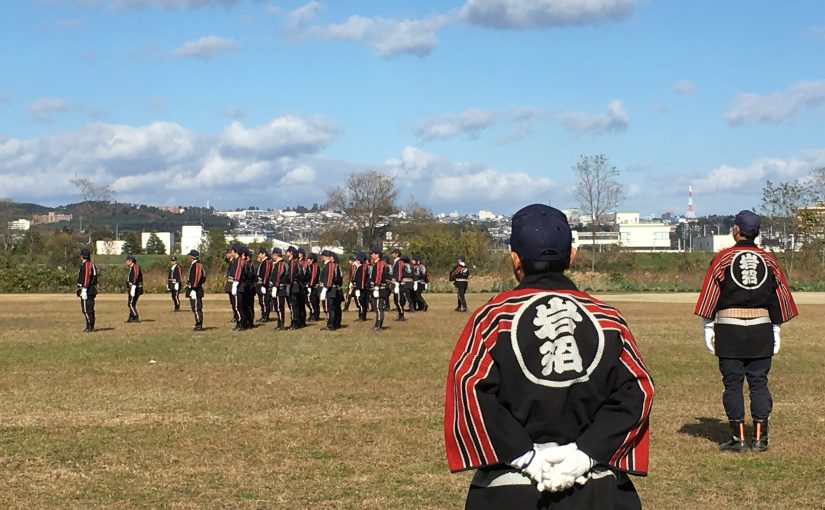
(151, 415)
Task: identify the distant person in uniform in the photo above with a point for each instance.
(744, 301)
(87, 288)
(134, 287)
(262, 285)
(195, 281)
(279, 289)
(174, 282)
(548, 397)
(460, 275)
(420, 280)
(330, 280)
(379, 281)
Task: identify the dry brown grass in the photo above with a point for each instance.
(342, 420)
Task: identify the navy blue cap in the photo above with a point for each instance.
(301, 250)
(264, 251)
(396, 250)
(376, 249)
(541, 233)
(314, 256)
(277, 251)
(85, 253)
(293, 250)
(748, 222)
(131, 257)
(194, 253)
(461, 258)
(174, 259)
(417, 258)
(237, 248)
(326, 253)
(362, 257)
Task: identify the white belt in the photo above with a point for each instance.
(743, 322)
(461, 279)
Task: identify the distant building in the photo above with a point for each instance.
(20, 224)
(191, 238)
(250, 239)
(487, 215)
(644, 236)
(168, 239)
(109, 247)
(626, 218)
(51, 217)
(717, 243)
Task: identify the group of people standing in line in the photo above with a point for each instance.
(289, 280)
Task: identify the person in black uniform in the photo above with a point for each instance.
(311, 277)
(420, 280)
(195, 281)
(246, 290)
(134, 287)
(295, 281)
(745, 299)
(459, 276)
(279, 289)
(379, 280)
(397, 273)
(233, 281)
(330, 281)
(87, 288)
(262, 284)
(350, 294)
(407, 281)
(547, 395)
(360, 282)
(174, 282)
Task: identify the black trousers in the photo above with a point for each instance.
(601, 494)
(396, 300)
(461, 289)
(87, 306)
(297, 309)
(175, 297)
(264, 301)
(132, 301)
(314, 303)
(363, 301)
(734, 371)
(333, 303)
(233, 302)
(379, 304)
(418, 296)
(197, 307)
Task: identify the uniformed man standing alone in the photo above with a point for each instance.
(134, 287)
(548, 397)
(459, 276)
(87, 288)
(744, 301)
(174, 282)
(195, 281)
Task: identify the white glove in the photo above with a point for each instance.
(397, 288)
(177, 286)
(710, 336)
(571, 470)
(133, 290)
(274, 291)
(84, 294)
(193, 294)
(777, 342)
(357, 293)
(531, 464)
(415, 286)
(552, 456)
(235, 288)
(323, 294)
(263, 290)
(376, 293)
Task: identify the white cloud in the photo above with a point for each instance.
(684, 87)
(388, 37)
(779, 107)
(46, 108)
(616, 119)
(207, 47)
(163, 4)
(300, 17)
(751, 178)
(527, 14)
(473, 121)
(284, 136)
(302, 174)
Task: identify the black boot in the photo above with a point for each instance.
(760, 436)
(280, 326)
(198, 327)
(737, 440)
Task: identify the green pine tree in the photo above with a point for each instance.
(154, 246)
(131, 244)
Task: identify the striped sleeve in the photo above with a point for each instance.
(712, 286)
(620, 433)
(478, 430)
(787, 305)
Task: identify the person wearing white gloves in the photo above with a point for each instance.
(195, 281)
(134, 287)
(397, 272)
(744, 300)
(330, 280)
(279, 291)
(174, 282)
(548, 397)
(87, 288)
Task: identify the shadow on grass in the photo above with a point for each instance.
(712, 429)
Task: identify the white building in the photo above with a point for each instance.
(167, 238)
(717, 243)
(626, 218)
(109, 247)
(191, 237)
(250, 239)
(21, 224)
(487, 215)
(644, 236)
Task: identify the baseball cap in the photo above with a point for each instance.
(376, 249)
(85, 253)
(131, 257)
(174, 259)
(277, 251)
(194, 253)
(748, 222)
(263, 250)
(540, 232)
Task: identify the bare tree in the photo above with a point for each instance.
(91, 193)
(365, 198)
(598, 192)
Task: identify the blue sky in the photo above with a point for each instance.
(470, 104)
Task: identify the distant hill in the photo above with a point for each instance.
(111, 216)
